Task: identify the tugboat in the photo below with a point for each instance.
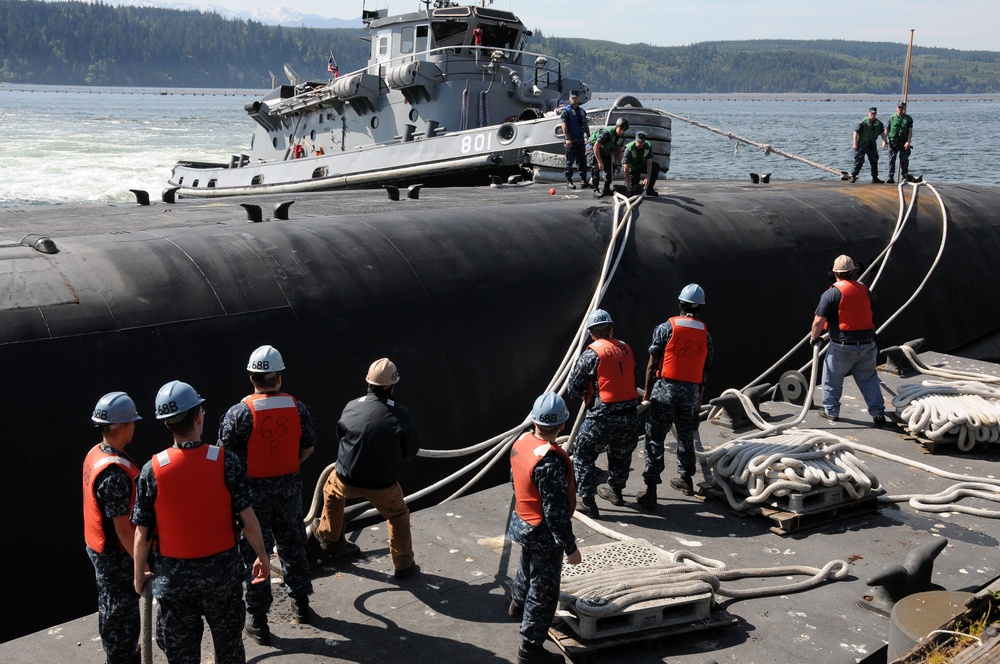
(449, 97)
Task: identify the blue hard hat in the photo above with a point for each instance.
(549, 410)
(692, 294)
(598, 317)
(115, 408)
(174, 400)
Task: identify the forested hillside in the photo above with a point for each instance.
(73, 43)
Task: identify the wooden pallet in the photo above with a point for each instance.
(947, 446)
(581, 650)
(822, 509)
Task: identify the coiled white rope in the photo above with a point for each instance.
(792, 462)
(936, 410)
(683, 574)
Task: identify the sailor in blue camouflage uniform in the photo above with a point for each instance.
(544, 499)
(194, 507)
(604, 377)
(108, 496)
(272, 432)
(680, 356)
(575, 132)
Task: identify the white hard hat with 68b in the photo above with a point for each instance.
(174, 400)
(265, 359)
(115, 408)
(383, 373)
(549, 410)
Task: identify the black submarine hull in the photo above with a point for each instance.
(475, 299)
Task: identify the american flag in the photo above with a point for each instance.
(332, 67)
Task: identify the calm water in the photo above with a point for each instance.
(69, 145)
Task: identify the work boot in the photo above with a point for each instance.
(890, 180)
(529, 653)
(611, 494)
(588, 507)
(606, 191)
(584, 181)
(405, 572)
(875, 180)
(257, 629)
(300, 609)
(683, 484)
(569, 182)
(651, 192)
(854, 178)
(879, 421)
(332, 552)
(648, 497)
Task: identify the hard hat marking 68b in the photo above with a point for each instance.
(164, 408)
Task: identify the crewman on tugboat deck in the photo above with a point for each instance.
(193, 495)
(272, 432)
(575, 131)
(109, 475)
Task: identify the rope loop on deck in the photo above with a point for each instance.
(800, 461)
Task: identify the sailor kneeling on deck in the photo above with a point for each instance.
(544, 497)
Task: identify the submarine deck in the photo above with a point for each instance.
(129, 217)
(454, 610)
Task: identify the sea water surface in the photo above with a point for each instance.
(79, 144)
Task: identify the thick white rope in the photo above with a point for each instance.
(622, 224)
(683, 574)
(799, 462)
(937, 410)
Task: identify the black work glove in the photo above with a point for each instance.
(816, 341)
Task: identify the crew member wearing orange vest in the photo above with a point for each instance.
(542, 523)
(679, 358)
(845, 310)
(108, 496)
(272, 432)
(195, 497)
(604, 376)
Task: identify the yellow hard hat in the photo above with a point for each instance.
(843, 264)
(383, 373)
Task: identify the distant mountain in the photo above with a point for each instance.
(284, 16)
(76, 43)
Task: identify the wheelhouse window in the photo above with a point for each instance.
(406, 39)
(449, 33)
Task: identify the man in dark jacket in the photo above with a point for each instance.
(376, 436)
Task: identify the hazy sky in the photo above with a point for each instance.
(961, 24)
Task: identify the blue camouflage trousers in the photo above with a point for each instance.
(673, 403)
(117, 605)
(277, 502)
(618, 433)
(576, 152)
(186, 590)
(536, 586)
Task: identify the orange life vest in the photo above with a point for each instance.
(273, 448)
(194, 509)
(615, 371)
(686, 352)
(93, 522)
(527, 451)
(854, 312)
